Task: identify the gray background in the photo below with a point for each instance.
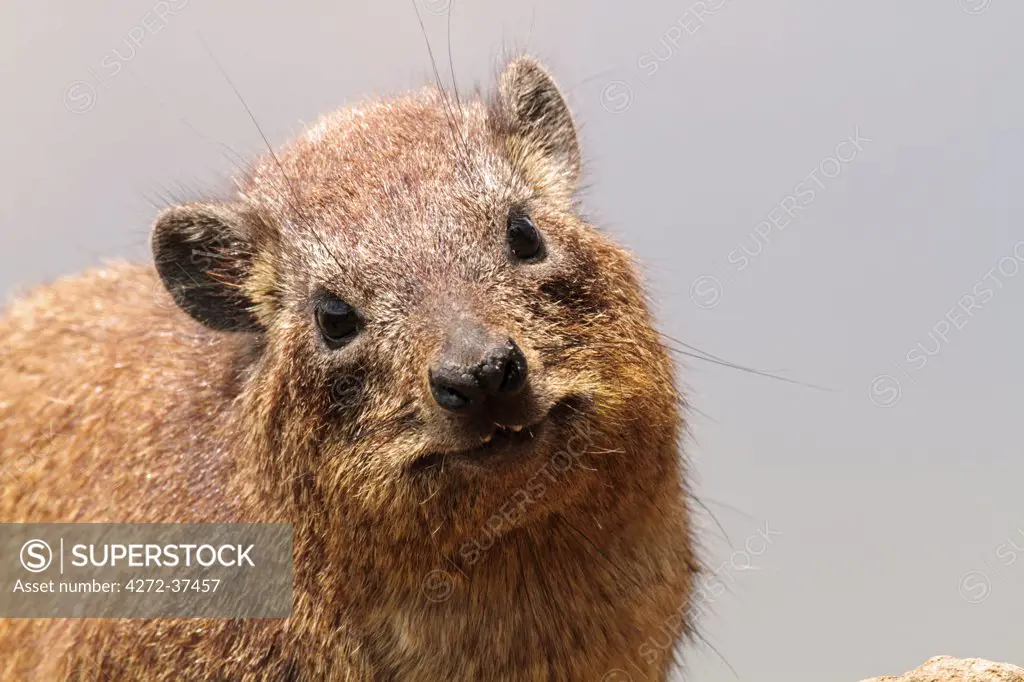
(884, 512)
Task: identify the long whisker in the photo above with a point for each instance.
(698, 354)
(704, 640)
(288, 181)
(445, 105)
(616, 569)
(451, 65)
(714, 518)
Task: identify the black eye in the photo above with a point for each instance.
(337, 321)
(523, 237)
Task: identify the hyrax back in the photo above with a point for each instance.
(400, 337)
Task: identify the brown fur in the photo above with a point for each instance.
(121, 407)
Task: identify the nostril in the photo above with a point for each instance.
(451, 390)
(514, 376)
(449, 398)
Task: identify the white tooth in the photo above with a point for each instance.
(517, 429)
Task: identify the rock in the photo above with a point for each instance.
(949, 669)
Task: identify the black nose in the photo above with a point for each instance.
(471, 371)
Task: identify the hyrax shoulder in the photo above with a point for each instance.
(401, 337)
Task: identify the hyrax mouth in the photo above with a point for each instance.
(505, 445)
(503, 441)
(502, 447)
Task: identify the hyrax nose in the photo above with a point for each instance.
(475, 368)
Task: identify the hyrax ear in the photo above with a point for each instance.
(534, 115)
(204, 254)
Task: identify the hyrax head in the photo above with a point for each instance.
(434, 319)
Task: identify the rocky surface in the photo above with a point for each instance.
(949, 669)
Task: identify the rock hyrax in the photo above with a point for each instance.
(401, 336)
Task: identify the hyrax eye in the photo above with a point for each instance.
(523, 237)
(337, 321)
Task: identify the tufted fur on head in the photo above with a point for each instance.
(567, 561)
